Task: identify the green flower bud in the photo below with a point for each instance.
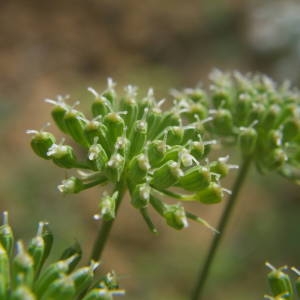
(108, 205)
(210, 195)
(247, 140)
(47, 236)
(59, 111)
(243, 108)
(138, 137)
(291, 130)
(101, 105)
(63, 156)
(75, 124)
(222, 122)
(97, 155)
(280, 282)
(114, 167)
(51, 274)
(22, 292)
(61, 289)
(153, 118)
(257, 112)
(4, 273)
(166, 175)
(220, 166)
(141, 195)
(275, 159)
(97, 130)
(36, 250)
(23, 267)
(6, 235)
(175, 216)
(83, 277)
(271, 117)
(174, 135)
(173, 153)
(115, 127)
(195, 109)
(195, 179)
(297, 281)
(129, 105)
(138, 169)
(222, 97)
(98, 294)
(71, 185)
(74, 252)
(156, 151)
(41, 142)
(274, 139)
(110, 93)
(171, 118)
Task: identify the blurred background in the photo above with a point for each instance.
(62, 47)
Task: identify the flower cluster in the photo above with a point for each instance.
(255, 112)
(135, 144)
(22, 277)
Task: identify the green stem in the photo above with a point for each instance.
(106, 226)
(198, 292)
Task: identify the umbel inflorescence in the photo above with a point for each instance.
(133, 143)
(253, 111)
(24, 276)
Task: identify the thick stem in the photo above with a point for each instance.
(198, 292)
(106, 226)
